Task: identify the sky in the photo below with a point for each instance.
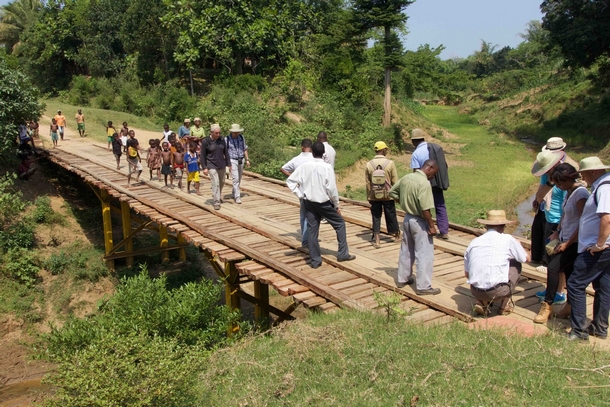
(460, 25)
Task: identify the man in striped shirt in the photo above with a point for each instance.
(492, 264)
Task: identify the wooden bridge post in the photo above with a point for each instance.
(107, 221)
(182, 250)
(232, 290)
(164, 237)
(126, 219)
(261, 292)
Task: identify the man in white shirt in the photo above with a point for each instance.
(593, 262)
(288, 169)
(492, 265)
(329, 151)
(314, 182)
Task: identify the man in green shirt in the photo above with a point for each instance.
(414, 194)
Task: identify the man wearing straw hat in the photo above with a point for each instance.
(593, 262)
(238, 154)
(492, 265)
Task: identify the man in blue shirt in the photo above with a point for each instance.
(238, 154)
(439, 183)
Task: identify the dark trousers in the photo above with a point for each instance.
(314, 212)
(389, 209)
(500, 291)
(442, 219)
(560, 263)
(590, 268)
(537, 237)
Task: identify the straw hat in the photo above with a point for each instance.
(554, 144)
(380, 145)
(591, 164)
(235, 128)
(187, 120)
(196, 119)
(215, 126)
(417, 134)
(546, 160)
(495, 217)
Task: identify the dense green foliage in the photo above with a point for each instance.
(143, 347)
(18, 103)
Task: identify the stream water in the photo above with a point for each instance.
(525, 216)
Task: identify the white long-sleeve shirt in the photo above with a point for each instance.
(487, 258)
(314, 181)
(329, 154)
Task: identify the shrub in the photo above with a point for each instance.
(143, 306)
(130, 370)
(18, 235)
(57, 263)
(21, 265)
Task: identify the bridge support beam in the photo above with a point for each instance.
(107, 221)
(126, 220)
(182, 251)
(164, 240)
(261, 293)
(232, 290)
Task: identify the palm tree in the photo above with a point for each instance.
(15, 18)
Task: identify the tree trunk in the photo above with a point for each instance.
(387, 100)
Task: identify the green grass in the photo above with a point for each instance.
(495, 173)
(357, 359)
(96, 119)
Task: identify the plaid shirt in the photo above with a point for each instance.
(236, 146)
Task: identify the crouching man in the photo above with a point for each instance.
(492, 264)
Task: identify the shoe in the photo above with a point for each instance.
(314, 266)
(565, 312)
(348, 258)
(481, 308)
(593, 332)
(403, 285)
(237, 200)
(397, 236)
(541, 269)
(443, 236)
(543, 314)
(541, 294)
(217, 206)
(428, 291)
(573, 336)
(323, 220)
(506, 307)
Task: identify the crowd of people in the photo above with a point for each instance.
(190, 152)
(570, 233)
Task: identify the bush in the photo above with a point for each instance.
(57, 263)
(21, 265)
(18, 235)
(44, 213)
(132, 370)
(143, 306)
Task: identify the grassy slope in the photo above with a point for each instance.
(495, 173)
(356, 359)
(96, 119)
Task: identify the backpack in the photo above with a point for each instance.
(379, 184)
(132, 151)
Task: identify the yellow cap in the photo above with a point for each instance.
(380, 145)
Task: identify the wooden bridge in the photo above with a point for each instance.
(259, 242)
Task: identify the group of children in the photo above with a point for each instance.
(166, 157)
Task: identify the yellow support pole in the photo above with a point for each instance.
(126, 219)
(261, 292)
(107, 220)
(164, 237)
(181, 251)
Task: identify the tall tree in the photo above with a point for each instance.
(389, 15)
(15, 18)
(579, 27)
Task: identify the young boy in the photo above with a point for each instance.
(178, 163)
(54, 129)
(153, 158)
(133, 157)
(166, 164)
(124, 136)
(192, 162)
(117, 149)
(166, 132)
(110, 130)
